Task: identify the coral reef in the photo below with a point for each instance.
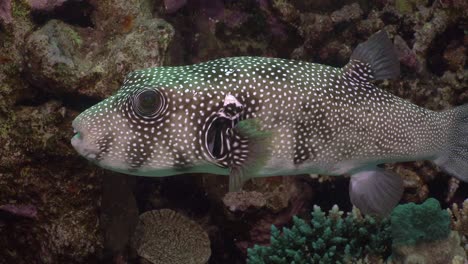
(326, 238)
(165, 237)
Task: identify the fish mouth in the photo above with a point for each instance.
(81, 146)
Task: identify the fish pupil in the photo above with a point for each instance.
(148, 103)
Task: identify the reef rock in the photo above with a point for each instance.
(442, 251)
(65, 59)
(5, 12)
(46, 5)
(281, 198)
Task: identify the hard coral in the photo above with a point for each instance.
(325, 239)
(459, 216)
(412, 223)
(167, 237)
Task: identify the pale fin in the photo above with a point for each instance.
(375, 191)
(454, 158)
(250, 150)
(375, 59)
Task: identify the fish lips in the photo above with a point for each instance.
(79, 144)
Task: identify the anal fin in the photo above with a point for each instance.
(375, 191)
(250, 150)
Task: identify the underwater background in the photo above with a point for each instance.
(59, 57)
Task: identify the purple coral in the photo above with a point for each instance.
(5, 12)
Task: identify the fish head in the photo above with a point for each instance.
(149, 128)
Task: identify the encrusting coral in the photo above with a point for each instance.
(413, 223)
(421, 234)
(165, 236)
(326, 238)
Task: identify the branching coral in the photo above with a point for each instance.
(328, 238)
(459, 218)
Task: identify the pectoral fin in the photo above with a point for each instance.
(375, 191)
(250, 148)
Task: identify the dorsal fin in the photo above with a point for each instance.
(374, 59)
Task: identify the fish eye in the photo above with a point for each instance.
(148, 103)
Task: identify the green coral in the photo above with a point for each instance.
(325, 239)
(412, 223)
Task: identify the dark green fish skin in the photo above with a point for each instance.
(305, 118)
(319, 115)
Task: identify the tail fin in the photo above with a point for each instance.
(454, 159)
(374, 59)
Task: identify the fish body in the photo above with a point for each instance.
(252, 117)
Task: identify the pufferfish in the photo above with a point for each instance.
(249, 117)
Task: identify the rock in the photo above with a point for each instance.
(288, 12)
(371, 24)
(5, 12)
(455, 57)
(285, 197)
(314, 27)
(426, 35)
(167, 237)
(443, 251)
(347, 13)
(406, 55)
(46, 5)
(119, 16)
(20, 210)
(241, 201)
(68, 60)
(416, 190)
(69, 237)
(173, 5)
(53, 58)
